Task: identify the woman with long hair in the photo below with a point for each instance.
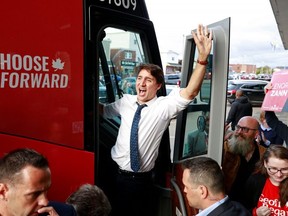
(267, 188)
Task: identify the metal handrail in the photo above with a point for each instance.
(180, 197)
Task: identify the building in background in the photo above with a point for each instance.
(243, 68)
(124, 50)
(171, 62)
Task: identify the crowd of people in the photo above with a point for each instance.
(255, 164)
(252, 180)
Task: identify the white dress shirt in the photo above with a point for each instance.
(155, 118)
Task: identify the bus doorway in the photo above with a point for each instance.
(116, 45)
(200, 128)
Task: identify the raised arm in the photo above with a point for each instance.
(203, 40)
(273, 121)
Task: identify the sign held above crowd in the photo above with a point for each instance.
(276, 98)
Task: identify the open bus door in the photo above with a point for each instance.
(116, 44)
(200, 128)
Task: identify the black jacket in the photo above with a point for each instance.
(278, 126)
(270, 135)
(62, 209)
(239, 108)
(253, 190)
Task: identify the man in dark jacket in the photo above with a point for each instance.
(204, 187)
(239, 108)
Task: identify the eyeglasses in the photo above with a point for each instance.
(274, 170)
(244, 129)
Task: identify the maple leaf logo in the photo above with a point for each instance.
(58, 64)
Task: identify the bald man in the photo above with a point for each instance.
(241, 153)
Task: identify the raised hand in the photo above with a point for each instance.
(203, 40)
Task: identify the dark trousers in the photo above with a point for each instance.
(134, 194)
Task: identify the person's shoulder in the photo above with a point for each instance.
(243, 100)
(238, 209)
(230, 208)
(262, 149)
(257, 177)
(235, 102)
(127, 99)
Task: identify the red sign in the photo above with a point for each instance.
(276, 99)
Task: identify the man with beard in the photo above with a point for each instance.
(241, 153)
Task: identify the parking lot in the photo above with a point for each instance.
(283, 116)
(253, 89)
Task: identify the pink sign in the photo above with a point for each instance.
(276, 99)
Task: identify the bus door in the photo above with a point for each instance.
(117, 42)
(200, 128)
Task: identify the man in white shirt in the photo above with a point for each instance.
(134, 187)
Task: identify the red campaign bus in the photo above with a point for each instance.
(60, 59)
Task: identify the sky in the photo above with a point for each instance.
(254, 36)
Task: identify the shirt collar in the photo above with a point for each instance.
(212, 207)
(263, 128)
(149, 102)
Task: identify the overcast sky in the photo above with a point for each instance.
(253, 27)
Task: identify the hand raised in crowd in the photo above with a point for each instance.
(263, 211)
(261, 137)
(268, 87)
(228, 132)
(49, 210)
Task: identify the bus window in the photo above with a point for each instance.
(123, 51)
(205, 92)
(196, 134)
(195, 119)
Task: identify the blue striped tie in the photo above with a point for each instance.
(134, 152)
